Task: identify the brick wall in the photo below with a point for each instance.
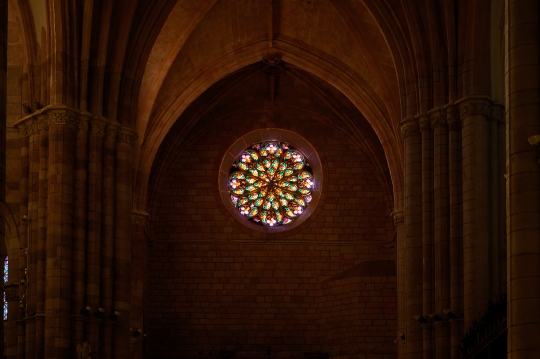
(246, 297)
(215, 286)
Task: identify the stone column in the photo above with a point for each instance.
(413, 235)
(32, 280)
(497, 113)
(474, 113)
(441, 231)
(62, 145)
(122, 241)
(76, 188)
(94, 197)
(12, 297)
(427, 233)
(107, 254)
(401, 287)
(139, 275)
(523, 177)
(3, 110)
(41, 221)
(454, 312)
(23, 238)
(79, 228)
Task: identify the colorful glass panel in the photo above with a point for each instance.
(6, 275)
(270, 183)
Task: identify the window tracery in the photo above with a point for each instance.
(271, 183)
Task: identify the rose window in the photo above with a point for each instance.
(271, 183)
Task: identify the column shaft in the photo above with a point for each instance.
(401, 286)
(455, 230)
(24, 144)
(62, 145)
(441, 230)
(413, 235)
(107, 255)
(474, 113)
(427, 233)
(41, 234)
(122, 242)
(3, 110)
(79, 228)
(523, 177)
(93, 242)
(139, 274)
(32, 250)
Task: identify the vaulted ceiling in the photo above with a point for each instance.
(153, 65)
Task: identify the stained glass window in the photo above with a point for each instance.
(6, 262)
(271, 183)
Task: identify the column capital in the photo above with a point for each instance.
(111, 131)
(127, 135)
(97, 126)
(497, 113)
(398, 217)
(12, 291)
(438, 117)
(424, 122)
(139, 218)
(409, 126)
(474, 105)
(53, 115)
(452, 116)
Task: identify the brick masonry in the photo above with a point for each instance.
(214, 285)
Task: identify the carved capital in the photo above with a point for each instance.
(127, 135)
(97, 128)
(83, 124)
(12, 293)
(438, 117)
(452, 116)
(409, 127)
(61, 118)
(23, 131)
(111, 132)
(139, 218)
(474, 106)
(497, 113)
(398, 217)
(424, 122)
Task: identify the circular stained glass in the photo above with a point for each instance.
(271, 183)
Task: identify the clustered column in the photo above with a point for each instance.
(76, 175)
(454, 245)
